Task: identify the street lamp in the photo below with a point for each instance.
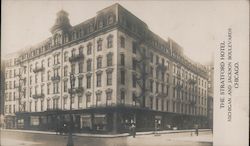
(72, 84)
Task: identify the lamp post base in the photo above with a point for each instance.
(70, 140)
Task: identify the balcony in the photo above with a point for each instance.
(192, 102)
(38, 69)
(79, 90)
(36, 96)
(161, 67)
(72, 91)
(75, 58)
(178, 86)
(192, 81)
(162, 95)
(55, 78)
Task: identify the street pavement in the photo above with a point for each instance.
(12, 138)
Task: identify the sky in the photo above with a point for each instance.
(195, 25)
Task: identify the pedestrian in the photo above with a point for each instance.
(196, 129)
(133, 130)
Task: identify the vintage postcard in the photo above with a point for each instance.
(124, 73)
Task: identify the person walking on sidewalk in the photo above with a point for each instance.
(133, 129)
(196, 129)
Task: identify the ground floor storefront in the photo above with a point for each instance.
(106, 120)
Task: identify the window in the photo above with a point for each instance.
(110, 41)
(122, 77)
(35, 106)
(80, 81)
(49, 75)
(98, 96)
(42, 102)
(88, 82)
(157, 59)
(30, 105)
(55, 103)
(56, 59)
(122, 59)
(134, 63)
(122, 42)
(36, 78)
(134, 80)
(30, 80)
(109, 78)
(134, 47)
(30, 91)
(36, 65)
(80, 66)
(151, 57)
(48, 104)
(73, 52)
(99, 45)
(100, 24)
(122, 96)
(80, 50)
(30, 70)
(134, 97)
(73, 68)
(89, 49)
(157, 87)
(99, 62)
(42, 76)
(89, 65)
(151, 103)
(109, 95)
(42, 89)
(64, 103)
(66, 57)
(88, 97)
(151, 86)
(98, 80)
(55, 87)
(65, 71)
(56, 72)
(65, 86)
(110, 19)
(109, 59)
(157, 103)
(35, 90)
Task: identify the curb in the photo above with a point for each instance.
(109, 136)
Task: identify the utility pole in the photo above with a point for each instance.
(72, 84)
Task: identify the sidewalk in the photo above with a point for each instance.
(109, 135)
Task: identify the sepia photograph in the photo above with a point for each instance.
(124, 73)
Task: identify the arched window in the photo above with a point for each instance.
(66, 56)
(99, 45)
(109, 59)
(110, 41)
(89, 49)
(99, 62)
(73, 52)
(80, 50)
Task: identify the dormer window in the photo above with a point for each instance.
(100, 24)
(110, 19)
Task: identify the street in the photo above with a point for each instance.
(12, 138)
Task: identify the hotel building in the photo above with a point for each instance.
(124, 73)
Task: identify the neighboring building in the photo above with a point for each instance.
(210, 97)
(124, 73)
(2, 94)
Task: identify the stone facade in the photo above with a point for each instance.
(121, 69)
